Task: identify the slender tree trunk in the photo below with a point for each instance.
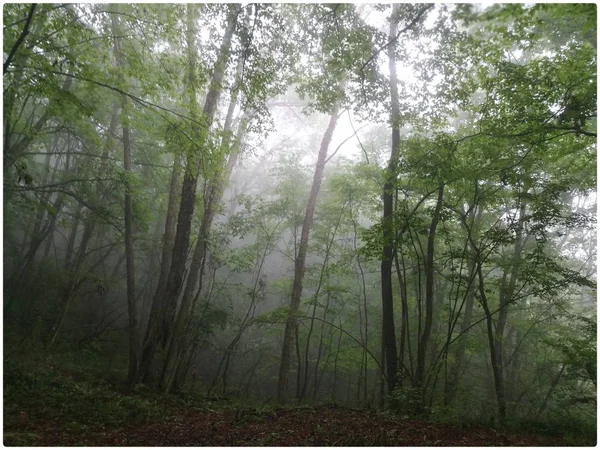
(129, 252)
(250, 374)
(314, 311)
(320, 353)
(404, 330)
(300, 262)
(455, 373)
(20, 39)
(299, 369)
(23, 274)
(514, 371)
(429, 294)
(496, 368)
(365, 337)
(128, 206)
(156, 309)
(387, 296)
(382, 376)
(506, 293)
(549, 394)
(42, 209)
(73, 236)
(335, 364)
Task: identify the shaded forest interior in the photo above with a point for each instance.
(385, 208)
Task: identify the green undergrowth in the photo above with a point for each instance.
(81, 392)
(46, 388)
(576, 431)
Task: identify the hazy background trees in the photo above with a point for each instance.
(333, 202)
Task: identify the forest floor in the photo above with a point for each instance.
(52, 406)
(309, 426)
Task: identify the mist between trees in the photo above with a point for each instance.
(371, 205)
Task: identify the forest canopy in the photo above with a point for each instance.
(373, 205)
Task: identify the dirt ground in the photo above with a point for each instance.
(318, 426)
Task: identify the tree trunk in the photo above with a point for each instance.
(162, 331)
(455, 373)
(156, 309)
(387, 296)
(314, 310)
(496, 368)
(507, 291)
(196, 271)
(133, 330)
(429, 297)
(320, 351)
(129, 255)
(300, 262)
(73, 236)
(335, 364)
(404, 326)
(365, 337)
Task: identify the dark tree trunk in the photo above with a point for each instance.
(156, 309)
(133, 329)
(129, 257)
(196, 272)
(160, 333)
(496, 368)
(429, 294)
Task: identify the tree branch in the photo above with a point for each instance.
(391, 41)
(120, 91)
(24, 33)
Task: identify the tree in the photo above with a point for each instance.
(300, 261)
(161, 332)
(129, 249)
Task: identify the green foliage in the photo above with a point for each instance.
(498, 105)
(279, 315)
(72, 395)
(579, 350)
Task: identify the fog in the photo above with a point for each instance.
(382, 207)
